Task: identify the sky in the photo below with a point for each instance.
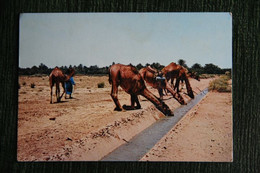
(63, 39)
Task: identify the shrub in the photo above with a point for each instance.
(24, 83)
(227, 73)
(101, 85)
(220, 84)
(32, 85)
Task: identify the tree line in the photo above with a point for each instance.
(95, 70)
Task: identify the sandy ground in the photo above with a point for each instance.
(204, 134)
(85, 127)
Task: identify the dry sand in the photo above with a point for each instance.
(204, 134)
(83, 128)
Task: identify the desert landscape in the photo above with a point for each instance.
(86, 127)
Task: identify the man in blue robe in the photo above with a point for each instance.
(69, 87)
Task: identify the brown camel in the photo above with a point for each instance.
(189, 74)
(131, 81)
(57, 77)
(156, 79)
(174, 70)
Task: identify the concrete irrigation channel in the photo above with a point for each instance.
(139, 145)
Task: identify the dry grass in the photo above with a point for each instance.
(220, 84)
(206, 76)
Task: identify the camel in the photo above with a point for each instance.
(128, 77)
(194, 75)
(174, 70)
(57, 77)
(189, 74)
(156, 79)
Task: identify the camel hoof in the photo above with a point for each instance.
(128, 107)
(138, 107)
(117, 109)
(183, 103)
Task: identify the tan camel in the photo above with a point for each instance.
(131, 81)
(173, 71)
(156, 79)
(57, 77)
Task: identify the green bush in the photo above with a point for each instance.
(220, 84)
(101, 85)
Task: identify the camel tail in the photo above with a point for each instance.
(109, 76)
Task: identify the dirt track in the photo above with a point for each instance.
(83, 128)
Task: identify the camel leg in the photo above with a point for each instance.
(166, 92)
(159, 105)
(134, 99)
(51, 83)
(58, 91)
(114, 93)
(63, 86)
(177, 85)
(51, 94)
(172, 80)
(160, 91)
(182, 84)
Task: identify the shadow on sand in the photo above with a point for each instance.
(60, 102)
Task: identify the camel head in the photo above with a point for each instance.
(190, 94)
(180, 99)
(165, 109)
(69, 73)
(194, 75)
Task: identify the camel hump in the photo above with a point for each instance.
(134, 69)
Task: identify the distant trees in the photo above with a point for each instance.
(197, 68)
(94, 69)
(157, 66)
(139, 66)
(212, 69)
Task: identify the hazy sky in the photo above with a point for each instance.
(59, 39)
